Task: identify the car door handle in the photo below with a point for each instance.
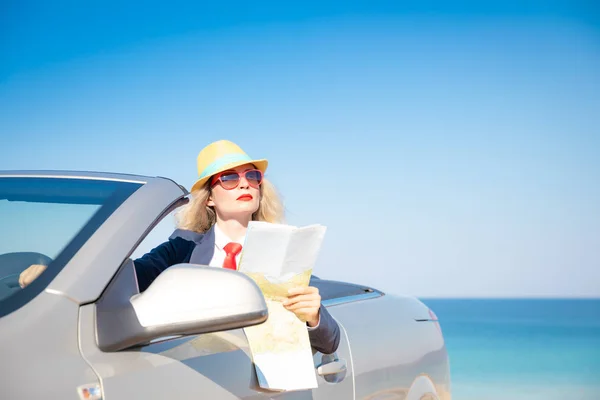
(333, 367)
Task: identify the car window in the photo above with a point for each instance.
(45, 220)
(159, 234)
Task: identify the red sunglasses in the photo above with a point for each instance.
(231, 179)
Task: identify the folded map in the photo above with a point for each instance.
(278, 257)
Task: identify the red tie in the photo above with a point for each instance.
(231, 249)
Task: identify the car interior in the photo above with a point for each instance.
(11, 266)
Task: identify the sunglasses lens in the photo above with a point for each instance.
(230, 181)
(254, 177)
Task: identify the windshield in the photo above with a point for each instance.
(45, 221)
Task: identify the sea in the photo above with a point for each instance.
(517, 349)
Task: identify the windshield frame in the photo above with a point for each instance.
(123, 190)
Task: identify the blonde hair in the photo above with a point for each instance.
(199, 217)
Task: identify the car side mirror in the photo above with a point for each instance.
(184, 299)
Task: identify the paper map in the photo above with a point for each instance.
(279, 257)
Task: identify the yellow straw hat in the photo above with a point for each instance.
(220, 156)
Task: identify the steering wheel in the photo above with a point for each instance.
(12, 280)
(11, 266)
(9, 284)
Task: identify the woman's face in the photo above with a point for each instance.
(241, 201)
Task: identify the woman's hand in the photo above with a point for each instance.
(305, 302)
(30, 274)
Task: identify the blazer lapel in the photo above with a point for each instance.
(205, 249)
(205, 244)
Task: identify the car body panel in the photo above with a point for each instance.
(217, 365)
(40, 353)
(396, 348)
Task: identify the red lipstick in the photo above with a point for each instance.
(245, 197)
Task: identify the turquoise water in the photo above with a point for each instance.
(522, 349)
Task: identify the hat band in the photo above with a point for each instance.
(217, 165)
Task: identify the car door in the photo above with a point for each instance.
(212, 366)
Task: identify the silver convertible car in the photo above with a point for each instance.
(74, 333)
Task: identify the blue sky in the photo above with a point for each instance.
(451, 150)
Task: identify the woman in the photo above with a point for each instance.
(230, 192)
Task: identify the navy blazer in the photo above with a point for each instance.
(186, 246)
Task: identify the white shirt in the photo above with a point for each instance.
(221, 239)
